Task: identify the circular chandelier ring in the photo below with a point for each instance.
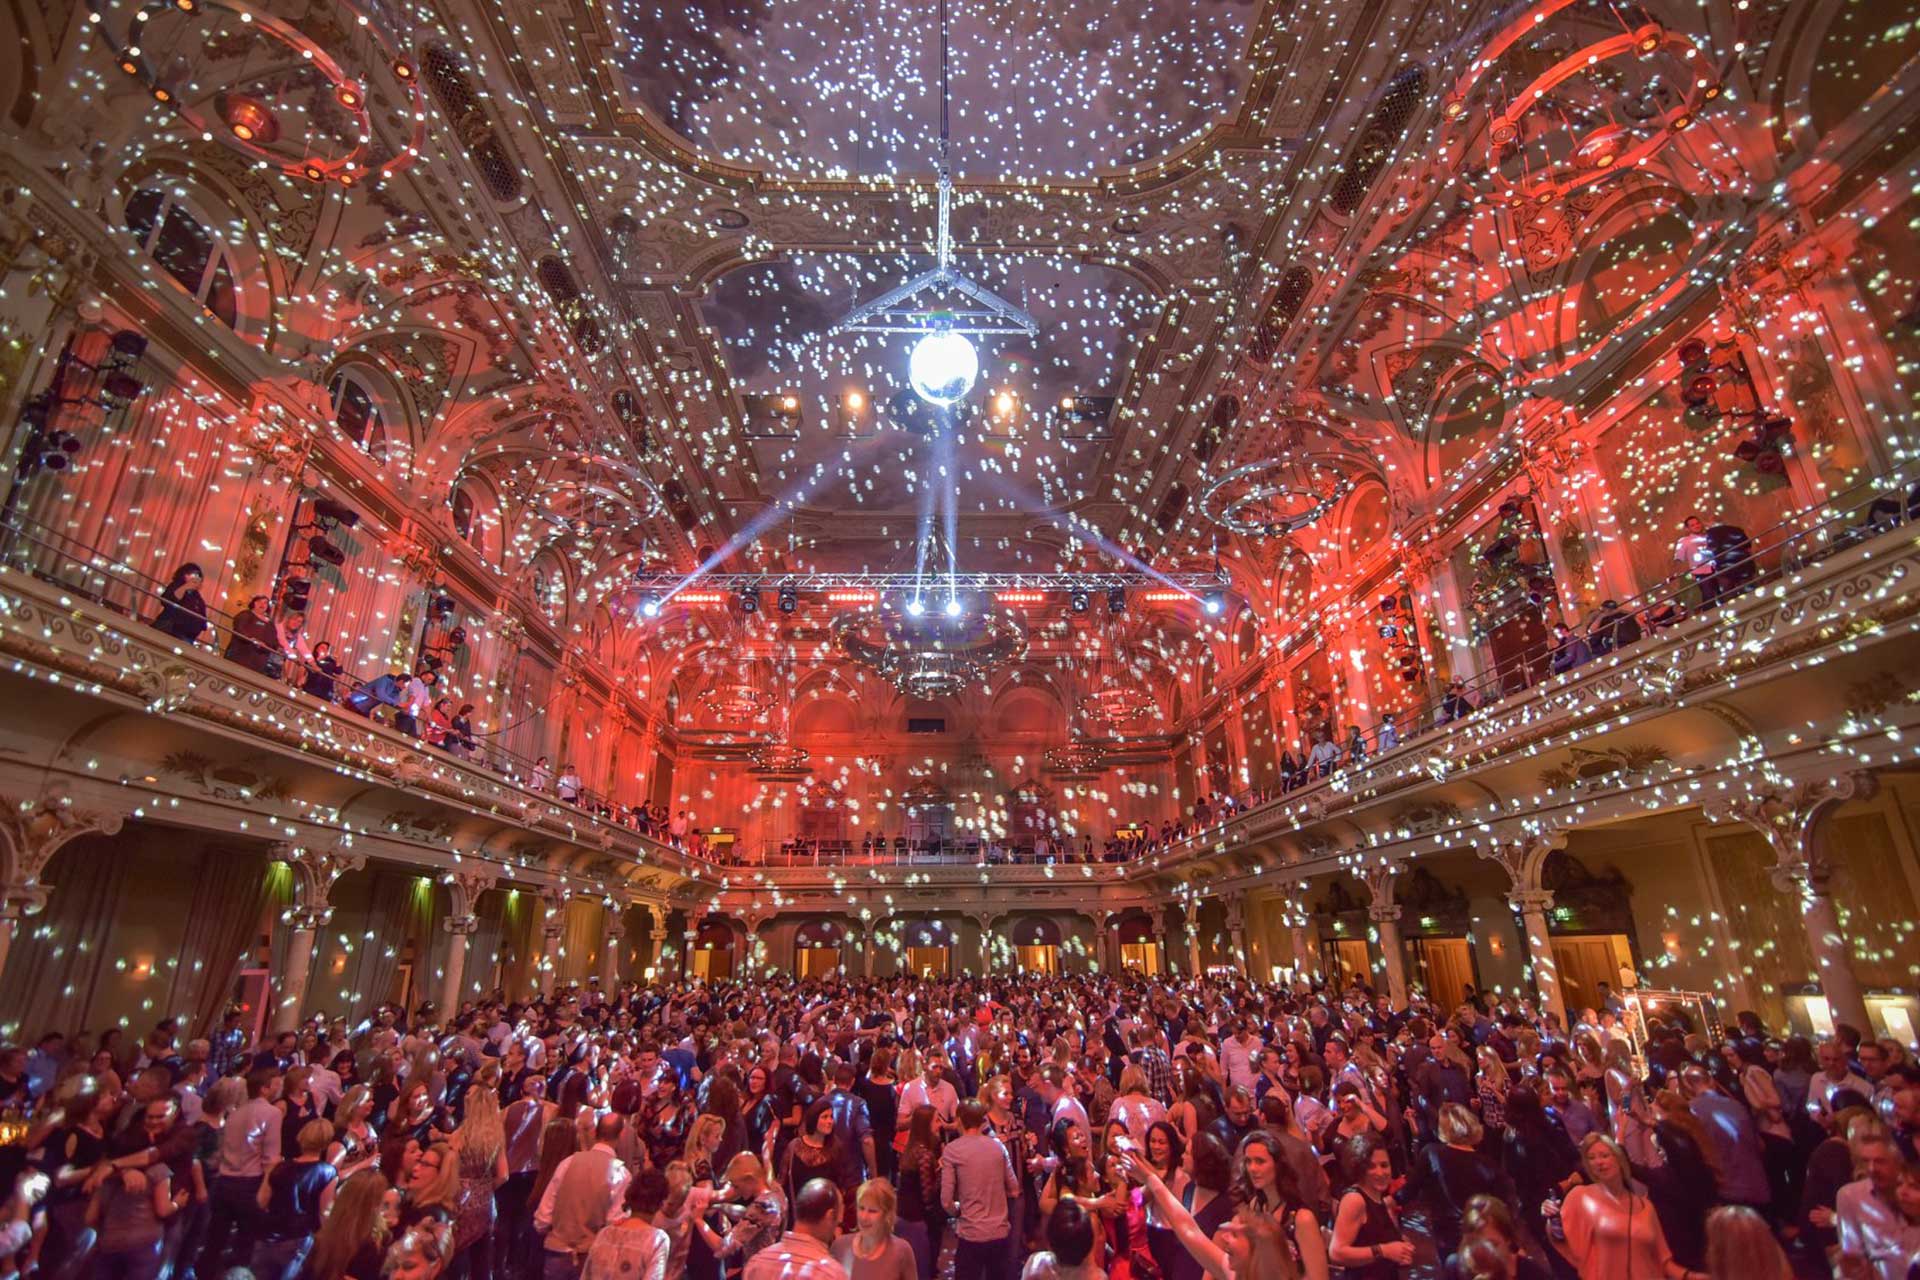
(1230, 511)
(347, 168)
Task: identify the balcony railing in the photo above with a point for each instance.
(1801, 540)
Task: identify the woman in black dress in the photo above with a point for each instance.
(1367, 1243)
(183, 612)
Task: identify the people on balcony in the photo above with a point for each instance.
(1456, 705)
(1612, 628)
(325, 676)
(183, 611)
(255, 643)
(1389, 735)
(1569, 650)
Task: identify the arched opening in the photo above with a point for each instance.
(712, 957)
(1139, 948)
(186, 248)
(816, 948)
(357, 413)
(1036, 945)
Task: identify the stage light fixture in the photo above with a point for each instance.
(335, 513)
(788, 601)
(952, 607)
(1212, 603)
(749, 602)
(1079, 601)
(129, 344)
(915, 607)
(321, 549)
(649, 606)
(1116, 599)
(295, 594)
(121, 385)
(247, 117)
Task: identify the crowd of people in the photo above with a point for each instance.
(1056, 1128)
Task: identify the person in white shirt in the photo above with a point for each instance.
(568, 785)
(1833, 1077)
(932, 1090)
(1389, 733)
(1240, 1056)
(1877, 1240)
(1323, 757)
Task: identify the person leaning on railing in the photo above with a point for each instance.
(255, 643)
(183, 611)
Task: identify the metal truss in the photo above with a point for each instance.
(665, 584)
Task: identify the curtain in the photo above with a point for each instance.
(484, 947)
(230, 892)
(519, 939)
(399, 908)
(57, 957)
(581, 941)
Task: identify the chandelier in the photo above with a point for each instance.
(1076, 759)
(732, 701)
(779, 757)
(1119, 704)
(930, 654)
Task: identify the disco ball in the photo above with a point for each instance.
(942, 368)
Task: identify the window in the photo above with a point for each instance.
(463, 514)
(355, 413)
(185, 249)
(925, 724)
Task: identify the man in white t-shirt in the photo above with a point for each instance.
(1693, 552)
(932, 1090)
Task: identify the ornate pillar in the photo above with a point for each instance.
(1237, 930)
(1787, 818)
(657, 939)
(1384, 912)
(986, 920)
(612, 935)
(31, 832)
(1160, 940)
(315, 871)
(1532, 905)
(1192, 909)
(464, 887)
(1524, 857)
(553, 926)
(750, 954)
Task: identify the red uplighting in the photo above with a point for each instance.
(702, 597)
(852, 596)
(1164, 597)
(1020, 597)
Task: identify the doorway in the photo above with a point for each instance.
(1444, 968)
(1345, 960)
(816, 962)
(1583, 961)
(1141, 957)
(928, 962)
(710, 964)
(1039, 960)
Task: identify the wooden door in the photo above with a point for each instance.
(1039, 959)
(1345, 959)
(1142, 957)
(1585, 961)
(1444, 966)
(927, 962)
(816, 962)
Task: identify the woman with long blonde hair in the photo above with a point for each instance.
(480, 1147)
(432, 1190)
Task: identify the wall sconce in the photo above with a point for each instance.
(1496, 944)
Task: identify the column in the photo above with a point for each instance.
(1789, 818)
(553, 926)
(1192, 909)
(459, 930)
(305, 925)
(315, 871)
(657, 939)
(611, 937)
(1532, 906)
(1809, 882)
(1386, 925)
(1384, 913)
(986, 920)
(1237, 931)
(687, 940)
(750, 958)
(1160, 942)
(464, 888)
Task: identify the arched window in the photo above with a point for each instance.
(463, 514)
(186, 249)
(356, 414)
